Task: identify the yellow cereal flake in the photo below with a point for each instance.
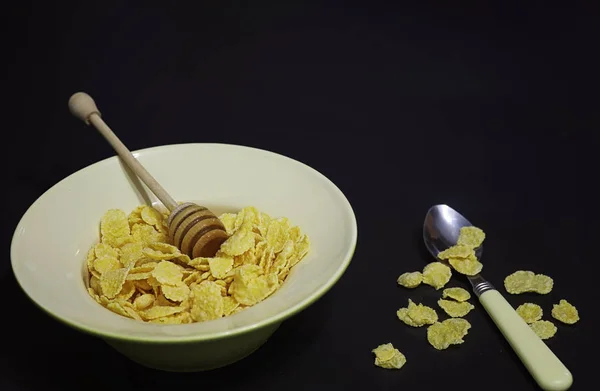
(436, 274)
(417, 315)
(471, 237)
(127, 291)
(449, 332)
(147, 234)
(455, 309)
(135, 216)
(542, 284)
(159, 311)
(220, 266)
(106, 263)
(104, 250)
(519, 282)
(228, 220)
(131, 253)
(143, 301)
(302, 247)
(278, 234)
(456, 293)
(523, 281)
(402, 314)
(388, 357)
(240, 242)
(207, 302)
(229, 305)
(530, 312)
(151, 216)
(167, 273)
(456, 251)
(543, 329)
(250, 286)
(112, 282)
(469, 266)
(114, 228)
(410, 279)
(565, 312)
(176, 293)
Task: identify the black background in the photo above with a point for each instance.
(487, 109)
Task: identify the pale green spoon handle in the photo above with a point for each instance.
(547, 370)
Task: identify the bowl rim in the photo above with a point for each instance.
(237, 331)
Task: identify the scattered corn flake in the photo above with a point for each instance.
(469, 266)
(112, 282)
(114, 228)
(456, 251)
(471, 237)
(530, 312)
(135, 216)
(455, 309)
(302, 247)
(542, 284)
(523, 281)
(138, 276)
(410, 279)
(456, 293)
(143, 285)
(388, 357)
(95, 284)
(417, 315)
(176, 293)
(543, 329)
(207, 302)
(436, 274)
(402, 314)
(519, 282)
(167, 273)
(565, 312)
(220, 266)
(449, 332)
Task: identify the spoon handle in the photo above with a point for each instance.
(547, 370)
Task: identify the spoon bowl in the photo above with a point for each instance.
(440, 230)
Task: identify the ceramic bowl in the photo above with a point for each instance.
(51, 241)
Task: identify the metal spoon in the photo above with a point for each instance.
(440, 231)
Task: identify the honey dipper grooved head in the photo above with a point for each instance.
(195, 230)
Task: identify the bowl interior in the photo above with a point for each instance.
(52, 239)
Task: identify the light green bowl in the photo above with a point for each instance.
(51, 241)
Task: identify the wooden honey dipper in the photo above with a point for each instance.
(194, 229)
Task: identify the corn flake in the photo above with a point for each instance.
(456, 251)
(388, 357)
(151, 216)
(530, 312)
(469, 266)
(565, 312)
(106, 263)
(112, 282)
(417, 315)
(250, 286)
(143, 301)
(410, 279)
(159, 311)
(167, 273)
(456, 293)
(455, 309)
(471, 237)
(228, 220)
(519, 282)
(220, 266)
(176, 293)
(114, 228)
(207, 302)
(240, 242)
(542, 284)
(436, 274)
(449, 332)
(543, 329)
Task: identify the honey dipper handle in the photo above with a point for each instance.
(83, 107)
